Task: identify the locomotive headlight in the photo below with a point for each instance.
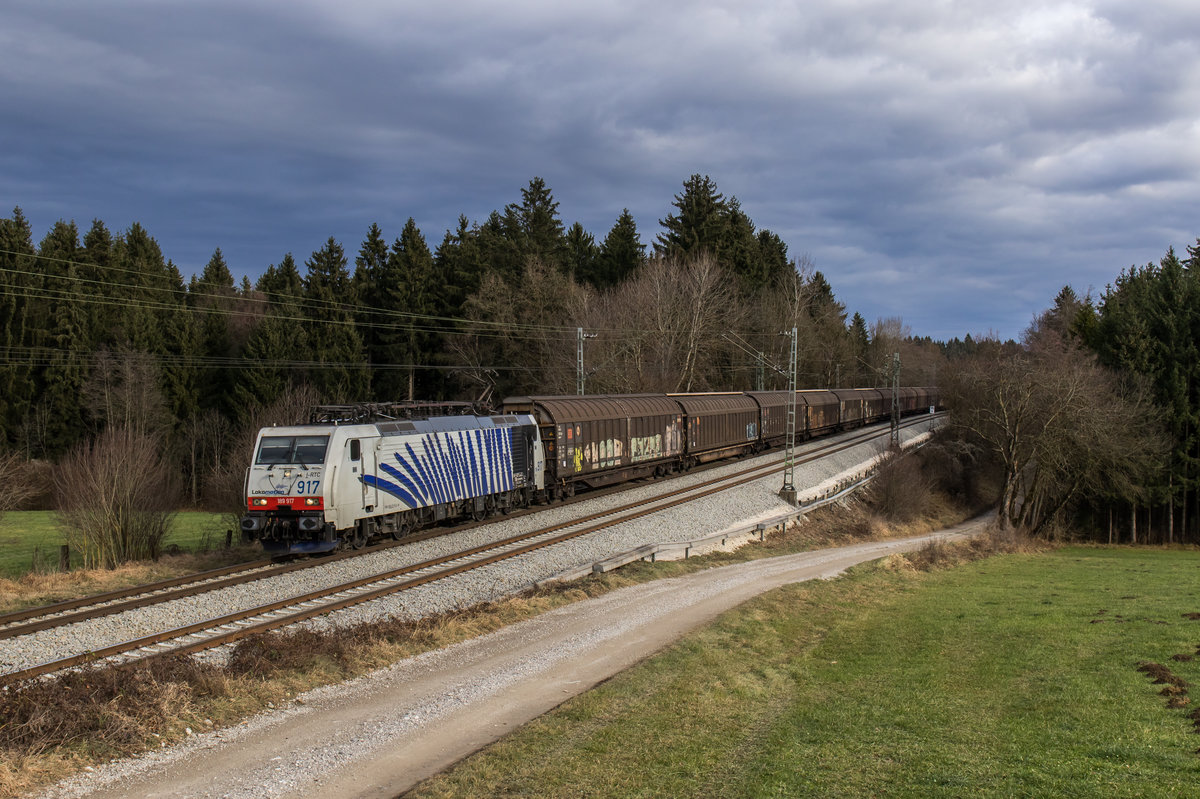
(287, 473)
(312, 501)
(258, 501)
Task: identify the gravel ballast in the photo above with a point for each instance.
(715, 514)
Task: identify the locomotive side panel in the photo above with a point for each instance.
(430, 467)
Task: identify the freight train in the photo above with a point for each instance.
(357, 473)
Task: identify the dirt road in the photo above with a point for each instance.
(381, 734)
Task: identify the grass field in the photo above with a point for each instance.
(30, 540)
(1011, 676)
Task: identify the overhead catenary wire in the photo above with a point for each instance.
(263, 303)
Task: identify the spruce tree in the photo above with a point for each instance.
(100, 281)
(276, 343)
(139, 261)
(773, 253)
(860, 348)
(213, 299)
(540, 227)
(281, 281)
(408, 292)
(459, 265)
(502, 245)
(621, 253)
(334, 342)
(369, 265)
(67, 369)
(739, 252)
(700, 223)
(180, 371)
(265, 377)
(61, 338)
(580, 253)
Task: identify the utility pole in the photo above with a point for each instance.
(788, 492)
(579, 361)
(895, 400)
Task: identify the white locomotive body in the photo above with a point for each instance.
(314, 487)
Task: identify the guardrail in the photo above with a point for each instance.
(650, 552)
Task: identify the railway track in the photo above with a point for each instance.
(230, 627)
(71, 611)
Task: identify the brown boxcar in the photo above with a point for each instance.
(601, 439)
(719, 425)
(851, 410)
(772, 415)
(821, 412)
(877, 404)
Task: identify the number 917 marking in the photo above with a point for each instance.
(307, 486)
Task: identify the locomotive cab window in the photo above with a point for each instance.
(302, 450)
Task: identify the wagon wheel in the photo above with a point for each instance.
(403, 527)
(477, 514)
(358, 537)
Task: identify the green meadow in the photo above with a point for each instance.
(30, 540)
(1016, 675)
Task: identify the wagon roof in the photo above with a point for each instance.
(590, 407)
(777, 399)
(816, 396)
(715, 402)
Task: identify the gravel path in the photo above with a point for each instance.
(712, 515)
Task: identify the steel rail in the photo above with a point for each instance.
(120, 593)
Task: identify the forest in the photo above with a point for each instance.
(104, 340)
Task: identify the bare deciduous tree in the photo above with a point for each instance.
(203, 440)
(116, 497)
(123, 391)
(525, 328)
(19, 486)
(665, 326)
(1062, 427)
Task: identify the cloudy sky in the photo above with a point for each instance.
(950, 163)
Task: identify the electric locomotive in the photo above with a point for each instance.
(358, 472)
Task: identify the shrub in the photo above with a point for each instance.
(20, 480)
(900, 491)
(116, 497)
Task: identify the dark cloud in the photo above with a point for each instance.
(952, 164)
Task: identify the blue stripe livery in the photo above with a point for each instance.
(444, 467)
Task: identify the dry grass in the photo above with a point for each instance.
(941, 554)
(36, 588)
(51, 728)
